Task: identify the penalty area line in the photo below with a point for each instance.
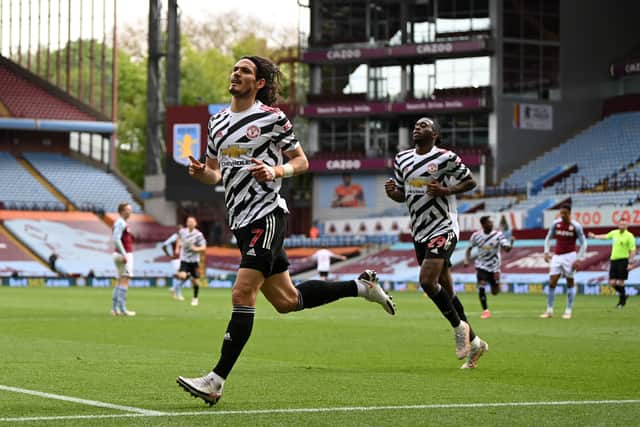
(88, 402)
(326, 410)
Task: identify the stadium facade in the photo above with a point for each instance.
(506, 79)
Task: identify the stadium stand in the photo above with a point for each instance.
(525, 263)
(82, 243)
(497, 204)
(488, 204)
(71, 177)
(144, 227)
(465, 206)
(15, 260)
(222, 260)
(627, 179)
(599, 151)
(388, 262)
(400, 210)
(536, 205)
(27, 99)
(19, 190)
(616, 198)
(338, 240)
(527, 257)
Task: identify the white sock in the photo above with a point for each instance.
(362, 288)
(476, 341)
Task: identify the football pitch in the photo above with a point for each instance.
(65, 361)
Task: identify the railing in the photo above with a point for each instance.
(295, 241)
(628, 181)
(20, 205)
(505, 190)
(96, 208)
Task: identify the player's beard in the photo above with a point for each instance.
(239, 93)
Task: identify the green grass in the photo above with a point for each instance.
(348, 354)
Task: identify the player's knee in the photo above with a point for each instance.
(243, 294)
(285, 303)
(430, 288)
(429, 274)
(426, 278)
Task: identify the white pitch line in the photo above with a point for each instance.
(335, 409)
(81, 401)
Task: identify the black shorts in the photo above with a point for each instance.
(439, 247)
(487, 277)
(618, 269)
(191, 268)
(261, 244)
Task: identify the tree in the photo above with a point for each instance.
(132, 116)
(204, 75)
(223, 31)
(209, 48)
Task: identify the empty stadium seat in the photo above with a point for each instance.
(300, 241)
(89, 188)
(590, 150)
(24, 99)
(82, 242)
(19, 190)
(491, 204)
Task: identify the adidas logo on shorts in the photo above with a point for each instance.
(251, 252)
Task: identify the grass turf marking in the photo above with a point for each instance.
(80, 401)
(321, 410)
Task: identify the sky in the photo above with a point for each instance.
(284, 13)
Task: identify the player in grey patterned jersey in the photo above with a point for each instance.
(191, 244)
(246, 142)
(427, 178)
(489, 243)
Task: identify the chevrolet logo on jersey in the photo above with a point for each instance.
(418, 182)
(235, 151)
(417, 186)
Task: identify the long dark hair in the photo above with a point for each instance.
(267, 70)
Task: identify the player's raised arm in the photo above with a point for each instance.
(467, 256)
(393, 192)
(297, 164)
(206, 173)
(582, 241)
(598, 236)
(167, 244)
(506, 244)
(201, 244)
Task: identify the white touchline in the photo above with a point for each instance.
(213, 412)
(81, 401)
